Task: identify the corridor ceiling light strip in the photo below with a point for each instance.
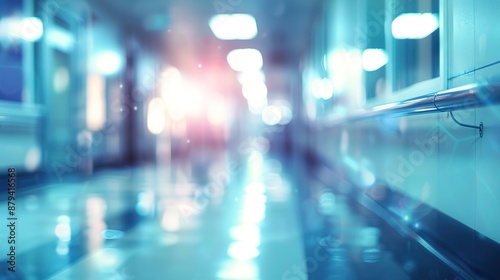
(414, 25)
(242, 60)
(60, 38)
(29, 29)
(233, 26)
(254, 92)
(251, 76)
(374, 59)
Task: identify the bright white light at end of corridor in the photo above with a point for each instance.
(251, 76)
(181, 96)
(242, 60)
(254, 92)
(238, 269)
(233, 27)
(216, 111)
(373, 59)
(156, 116)
(249, 233)
(241, 250)
(414, 25)
(170, 76)
(255, 188)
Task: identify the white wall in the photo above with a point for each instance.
(459, 175)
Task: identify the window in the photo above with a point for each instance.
(366, 53)
(415, 43)
(11, 52)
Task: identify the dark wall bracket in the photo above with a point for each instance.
(450, 111)
(480, 126)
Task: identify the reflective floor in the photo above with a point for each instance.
(211, 217)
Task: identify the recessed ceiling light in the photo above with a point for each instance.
(242, 60)
(414, 26)
(374, 59)
(233, 26)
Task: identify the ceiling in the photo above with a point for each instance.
(182, 25)
(179, 30)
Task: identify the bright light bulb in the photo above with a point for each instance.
(414, 25)
(373, 59)
(242, 60)
(233, 27)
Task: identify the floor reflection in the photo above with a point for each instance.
(209, 217)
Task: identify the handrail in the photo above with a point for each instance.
(459, 98)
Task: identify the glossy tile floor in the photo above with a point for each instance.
(210, 217)
(199, 219)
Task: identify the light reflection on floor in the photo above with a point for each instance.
(184, 221)
(216, 218)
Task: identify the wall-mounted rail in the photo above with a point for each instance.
(465, 97)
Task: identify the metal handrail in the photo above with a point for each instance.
(464, 97)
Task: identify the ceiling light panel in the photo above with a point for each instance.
(243, 60)
(233, 26)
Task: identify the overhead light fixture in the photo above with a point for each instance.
(414, 25)
(254, 91)
(373, 59)
(107, 62)
(32, 29)
(243, 60)
(29, 29)
(60, 38)
(251, 76)
(233, 26)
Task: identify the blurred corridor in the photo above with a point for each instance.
(238, 139)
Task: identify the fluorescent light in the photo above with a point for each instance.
(254, 92)
(60, 38)
(107, 62)
(414, 26)
(216, 111)
(251, 76)
(233, 27)
(32, 29)
(29, 29)
(242, 60)
(373, 59)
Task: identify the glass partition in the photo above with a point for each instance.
(365, 53)
(415, 42)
